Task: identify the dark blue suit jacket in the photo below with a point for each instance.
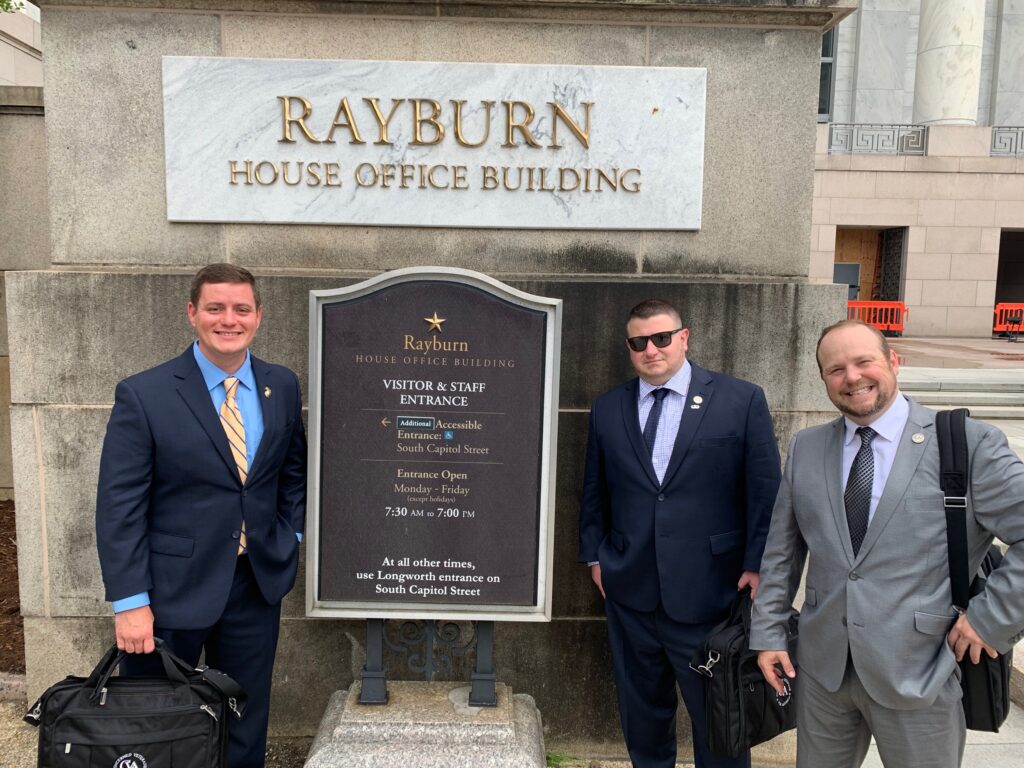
(683, 542)
(170, 503)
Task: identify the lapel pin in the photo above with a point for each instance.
(917, 437)
(266, 391)
(695, 406)
(698, 399)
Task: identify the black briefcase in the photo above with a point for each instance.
(179, 720)
(741, 709)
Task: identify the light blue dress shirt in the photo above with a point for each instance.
(671, 415)
(889, 426)
(248, 401)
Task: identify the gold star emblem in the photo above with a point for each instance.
(435, 323)
(266, 391)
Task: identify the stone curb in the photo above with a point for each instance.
(13, 688)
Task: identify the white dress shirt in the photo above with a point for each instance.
(671, 414)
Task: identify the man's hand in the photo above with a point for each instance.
(962, 638)
(767, 660)
(134, 630)
(595, 574)
(749, 579)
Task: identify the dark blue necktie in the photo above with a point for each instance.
(651, 427)
(858, 488)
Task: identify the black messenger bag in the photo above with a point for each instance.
(986, 685)
(134, 722)
(741, 709)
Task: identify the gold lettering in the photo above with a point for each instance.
(543, 178)
(430, 178)
(418, 121)
(490, 177)
(459, 137)
(504, 178)
(561, 179)
(360, 180)
(459, 177)
(313, 169)
(287, 119)
(349, 123)
(634, 186)
(612, 180)
(523, 125)
(235, 171)
(284, 173)
(408, 171)
(558, 113)
(259, 179)
(382, 122)
(331, 175)
(387, 174)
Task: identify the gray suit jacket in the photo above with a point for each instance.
(891, 604)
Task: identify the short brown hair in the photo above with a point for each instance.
(222, 273)
(651, 307)
(882, 341)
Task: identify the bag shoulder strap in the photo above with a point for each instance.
(953, 479)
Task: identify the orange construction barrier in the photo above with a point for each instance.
(884, 315)
(1007, 318)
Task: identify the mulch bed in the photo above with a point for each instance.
(12, 632)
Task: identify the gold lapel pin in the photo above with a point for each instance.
(698, 399)
(917, 437)
(266, 391)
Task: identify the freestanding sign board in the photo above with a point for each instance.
(433, 410)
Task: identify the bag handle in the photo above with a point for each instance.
(174, 668)
(953, 479)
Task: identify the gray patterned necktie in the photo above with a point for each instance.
(858, 488)
(651, 427)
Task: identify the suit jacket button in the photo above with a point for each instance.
(661, 497)
(235, 534)
(854, 575)
(844, 621)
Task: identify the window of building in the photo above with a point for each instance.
(828, 75)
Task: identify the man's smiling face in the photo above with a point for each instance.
(859, 378)
(225, 318)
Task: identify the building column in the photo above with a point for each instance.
(948, 77)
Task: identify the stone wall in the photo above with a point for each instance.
(114, 300)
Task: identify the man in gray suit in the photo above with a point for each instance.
(879, 638)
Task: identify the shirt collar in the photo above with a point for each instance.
(680, 383)
(214, 376)
(889, 425)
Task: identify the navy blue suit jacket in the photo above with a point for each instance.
(170, 503)
(683, 542)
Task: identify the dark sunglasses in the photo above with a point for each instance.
(660, 340)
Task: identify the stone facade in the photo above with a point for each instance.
(113, 301)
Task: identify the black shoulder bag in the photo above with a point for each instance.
(986, 685)
(178, 720)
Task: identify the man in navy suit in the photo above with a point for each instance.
(681, 475)
(201, 501)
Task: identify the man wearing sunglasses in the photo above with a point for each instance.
(681, 475)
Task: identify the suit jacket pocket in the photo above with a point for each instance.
(171, 544)
(933, 624)
(617, 540)
(725, 542)
(928, 503)
(711, 442)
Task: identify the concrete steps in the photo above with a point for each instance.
(989, 394)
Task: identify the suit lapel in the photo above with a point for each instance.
(192, 388)
(833, 474)
(631, 424)
(263, 376)
(904, 465)
(701, 384)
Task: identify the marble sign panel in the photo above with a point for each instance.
(433, 144)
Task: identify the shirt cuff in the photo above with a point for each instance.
(298, 536)
(594, 563)
(127, 603)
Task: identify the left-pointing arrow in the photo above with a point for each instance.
(385, 421)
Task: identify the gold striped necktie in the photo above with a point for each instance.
(231, 420)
